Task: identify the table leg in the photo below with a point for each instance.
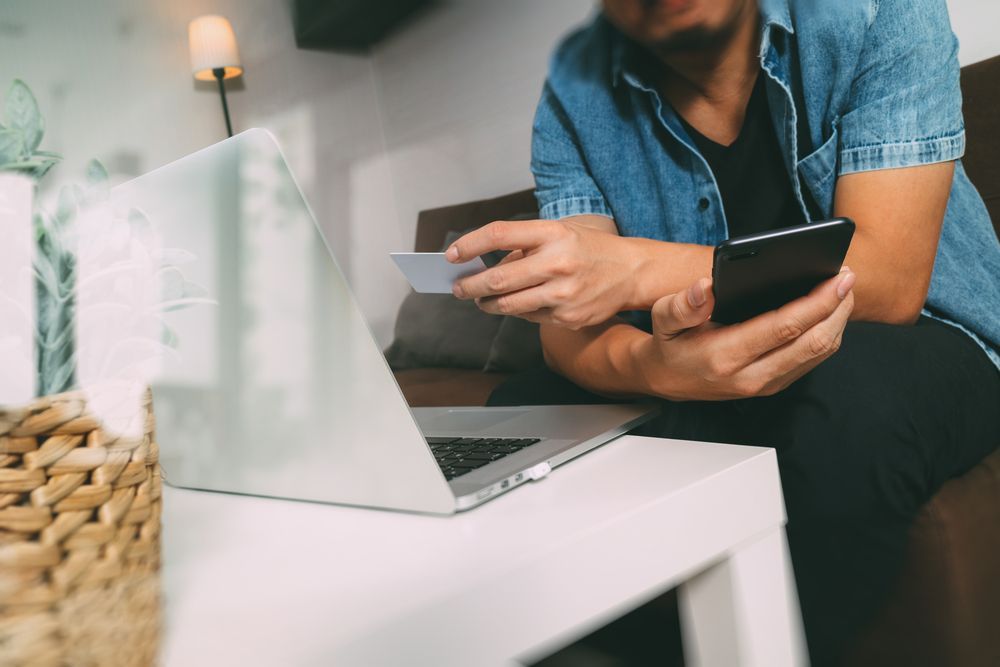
(743, 611)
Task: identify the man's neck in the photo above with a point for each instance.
(710, 87)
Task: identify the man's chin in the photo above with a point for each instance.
(693, 39)
(671, 7)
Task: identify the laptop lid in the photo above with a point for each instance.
(279, 388)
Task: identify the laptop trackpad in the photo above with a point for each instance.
(469, 421)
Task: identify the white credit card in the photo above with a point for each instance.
(431, 273)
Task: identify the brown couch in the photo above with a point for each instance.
(946, 607)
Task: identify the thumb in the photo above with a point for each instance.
(675, 313)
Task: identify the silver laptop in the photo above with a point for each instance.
(279, 388)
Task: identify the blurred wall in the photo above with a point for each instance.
(975, 22)
(114, 82)
(439, 113)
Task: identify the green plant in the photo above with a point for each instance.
(21, 133)
(57, 259)
(55, 266)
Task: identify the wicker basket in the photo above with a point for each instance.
(79, 536)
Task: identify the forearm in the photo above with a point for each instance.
(602, 359)
(656, 267)
(661, 268)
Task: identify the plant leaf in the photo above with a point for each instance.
(11, 148)
(194, 290)
(140, 227)
(169, 337)
(60, 378)
(173, 257)
(21, 113)
(180, 304)
(38, 171)
(68, 205)
(97, 175)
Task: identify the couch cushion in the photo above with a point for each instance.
(946, 608)
(516, 347)
(434, 387)
(439, 331)
(433, 224)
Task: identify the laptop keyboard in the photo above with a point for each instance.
(457, 456)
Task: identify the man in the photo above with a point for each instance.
(666, 126)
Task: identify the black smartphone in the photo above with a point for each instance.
(760, 272)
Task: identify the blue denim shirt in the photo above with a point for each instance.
(853, 85)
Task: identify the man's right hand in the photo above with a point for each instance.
(690, 358)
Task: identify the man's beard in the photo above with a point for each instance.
(701, 39)
(695, 39)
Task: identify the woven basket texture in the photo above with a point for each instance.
(79, 536)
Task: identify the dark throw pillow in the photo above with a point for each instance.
(515, 348)
(440, 331)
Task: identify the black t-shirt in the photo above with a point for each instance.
(756, 190)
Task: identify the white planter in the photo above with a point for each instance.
(17, 290)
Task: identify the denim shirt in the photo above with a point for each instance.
(853, 85)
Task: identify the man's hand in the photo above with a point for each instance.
(690, 358)
(572, 272)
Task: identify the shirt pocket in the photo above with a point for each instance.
(818, 171)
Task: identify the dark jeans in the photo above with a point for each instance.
(863, 441)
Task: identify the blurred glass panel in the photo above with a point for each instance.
(277, 388)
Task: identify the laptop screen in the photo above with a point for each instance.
(274, 384)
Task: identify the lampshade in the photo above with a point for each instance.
(213, 46)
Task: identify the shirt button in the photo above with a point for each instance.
(703, 204)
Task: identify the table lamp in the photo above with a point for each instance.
(214, 54)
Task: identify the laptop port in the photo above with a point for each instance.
(504, 484)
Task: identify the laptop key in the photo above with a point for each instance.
(459, 456)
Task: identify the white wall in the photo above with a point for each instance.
(457, 92)
(114, 82)
(439, 113)
(977, 24)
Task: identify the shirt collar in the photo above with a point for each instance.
(774, 13)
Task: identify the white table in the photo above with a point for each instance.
(252, 581)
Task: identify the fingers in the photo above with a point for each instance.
(516, 303)
(778, 369)
(537, 304)
(772, 330)
(503, 278)
(678, 312)
(502, 235)
(512, 256)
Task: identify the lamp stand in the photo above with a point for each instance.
(220, 74)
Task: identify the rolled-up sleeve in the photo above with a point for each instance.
(905, 107)
(563, 184)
